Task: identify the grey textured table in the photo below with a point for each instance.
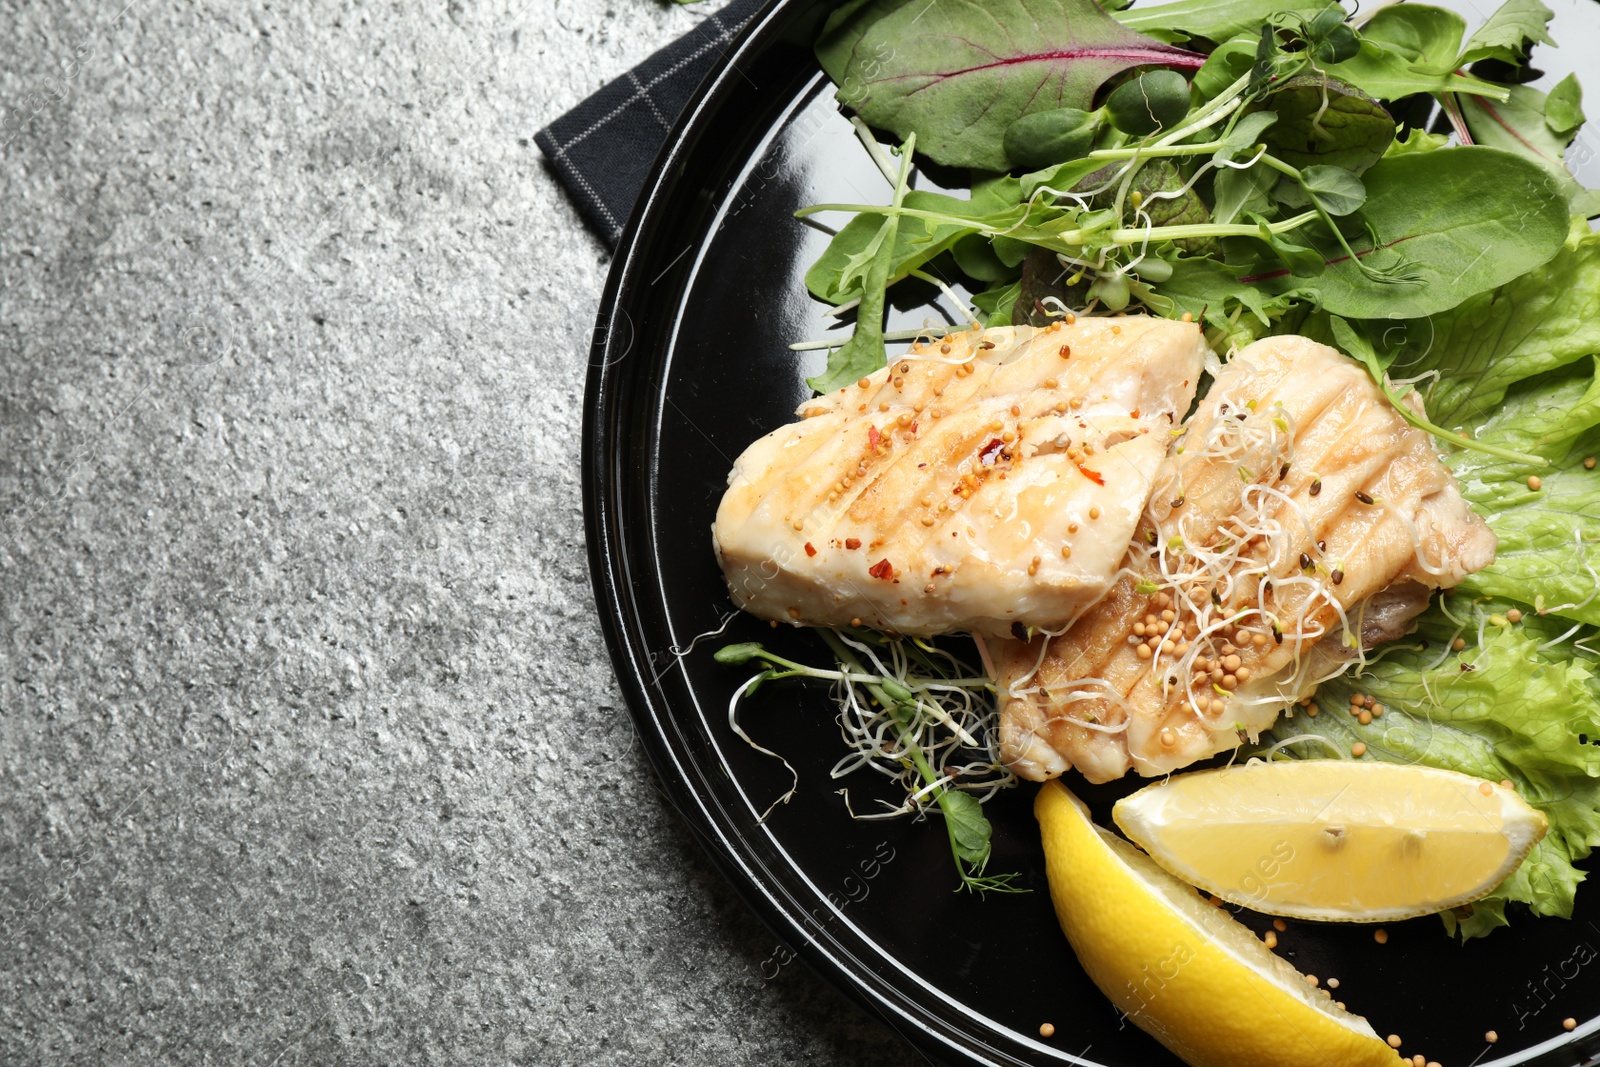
(309, 748)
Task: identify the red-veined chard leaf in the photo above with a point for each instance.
(959, 74)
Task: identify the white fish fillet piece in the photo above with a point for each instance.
(989, 479)
(1298, 517)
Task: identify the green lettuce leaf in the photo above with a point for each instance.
(1502, 709)
(1549, 552)
(1548, 318)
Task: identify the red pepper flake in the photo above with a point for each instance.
(882, 569)
(852, 543)
(986, 454)
(1093, 476)
(810, 550)
(912, 428)
(873, 437)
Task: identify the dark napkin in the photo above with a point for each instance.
(602, 149)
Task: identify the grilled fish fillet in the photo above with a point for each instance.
(1298, 518)
(988, 480)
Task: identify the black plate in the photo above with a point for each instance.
(690, 364)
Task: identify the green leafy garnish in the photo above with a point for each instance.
(913, 689)
(957, 76)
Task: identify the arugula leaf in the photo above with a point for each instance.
(1509, 33)
(1323, 120)
(1459, 220)
(1505, 710)
(1522, 124)
(864, 352)
(954, 73)
(838, 274)
(1388, 74)
(1243, 139)
(1215, 20)
(1543, 320)
(1239, 192)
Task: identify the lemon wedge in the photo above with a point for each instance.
(1182, 970)
(1335, 840)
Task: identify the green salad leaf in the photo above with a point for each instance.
(957, 75)
(1215, 20)
(1549, 552)
(1488, 217)
(1428, 36)
(1563, 108)
(836, 277)
(1509, 33)
(1524, 125)
(1324, 121)
(872, 264)
(1545, 319)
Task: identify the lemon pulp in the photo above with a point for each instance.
(1334, 840)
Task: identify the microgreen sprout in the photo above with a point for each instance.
(913, 712)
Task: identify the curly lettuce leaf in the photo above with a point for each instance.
(1549, 552)
(1505, 708)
